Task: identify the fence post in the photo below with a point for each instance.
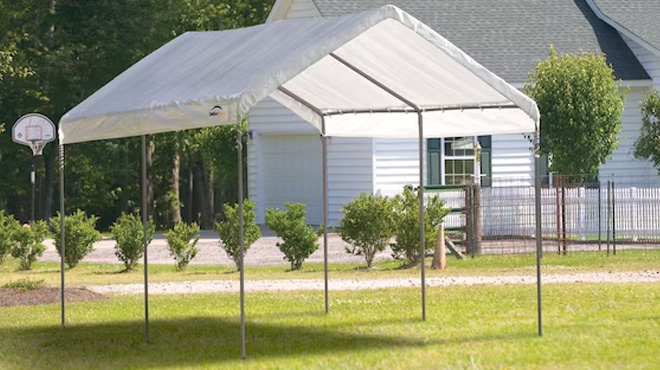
(599, 214)
(613, 219)
(634, 213)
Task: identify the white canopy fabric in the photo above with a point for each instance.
(316, 67)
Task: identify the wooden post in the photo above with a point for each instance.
(440, 251)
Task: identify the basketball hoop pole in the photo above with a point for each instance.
(33, 177)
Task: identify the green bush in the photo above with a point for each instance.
(7, 227)
(27, 243)
(80, 234)
(406, 225)
(300, 240)
(181, 242)
(128, 232)
(228, 230)
(24, 284)
(367, 225)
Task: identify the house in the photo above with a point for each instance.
(508, 37)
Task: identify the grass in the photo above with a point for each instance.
(481, 327)
(24, 284)
(518, 264)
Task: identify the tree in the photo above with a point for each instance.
(299, 240)
(581, 105)
(367, 225)
(228, 230)
(647, 146)
(406, 225)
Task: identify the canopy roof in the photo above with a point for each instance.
(363, 74)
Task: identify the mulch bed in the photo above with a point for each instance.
(17, 297)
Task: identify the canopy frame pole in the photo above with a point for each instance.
(422, 250)
(539, 236)
(62, 238)
(241, 247)
(324, 144)
(145, 237)
(420, 192)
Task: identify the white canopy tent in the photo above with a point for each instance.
(380, 73)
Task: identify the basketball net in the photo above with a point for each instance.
(37, 146)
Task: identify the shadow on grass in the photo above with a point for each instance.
(194, 341)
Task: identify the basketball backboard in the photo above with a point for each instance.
(34, 130)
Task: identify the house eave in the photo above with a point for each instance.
(621, 29)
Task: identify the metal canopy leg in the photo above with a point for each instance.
(324, 144)
(422, 250)
(539, 236)
(145, 240)
(62, 239)
(241, 248)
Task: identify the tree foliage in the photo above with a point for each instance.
(367, 225)
(27, 243)
(581, 105)
(54, 54)
(228, 230)
(8, 226)
(647, 146)
(80, 234)
(181, 241)
(406, 225)
(299, 240)
(128, 232)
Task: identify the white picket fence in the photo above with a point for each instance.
(509, 211)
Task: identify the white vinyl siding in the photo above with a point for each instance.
(623, 165)
(350, 173)
(649, 61)
(512, 160)
(396, 164)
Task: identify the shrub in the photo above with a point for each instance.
(367, 225)
(24, 284)
(228, 230)
(300, 240)
(7, 226)
(128, 232)
(180, 245)
(80, 234)
(406, 225)
(27, 243)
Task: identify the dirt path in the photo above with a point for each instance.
(225, 286)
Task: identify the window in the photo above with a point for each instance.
(451, 160)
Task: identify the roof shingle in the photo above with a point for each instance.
(510, 36)
(641, 17)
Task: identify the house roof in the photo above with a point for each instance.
(639, 17)
(510, 36)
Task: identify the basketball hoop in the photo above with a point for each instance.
(34, 130)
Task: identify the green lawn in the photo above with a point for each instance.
(614, 326)
(88, 273)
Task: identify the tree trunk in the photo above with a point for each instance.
(191, 182)
(175, 188)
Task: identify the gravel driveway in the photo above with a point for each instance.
(225, 286)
